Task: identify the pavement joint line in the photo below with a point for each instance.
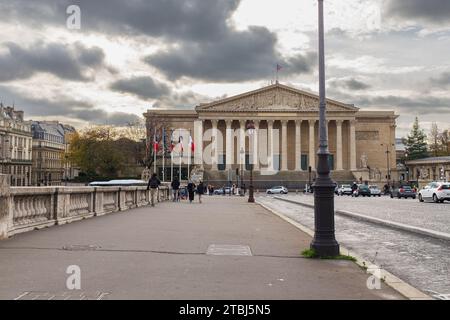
(404, 288)
(147, 251)
(394, 225)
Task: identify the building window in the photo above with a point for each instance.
(276, 162)
(304, 162)
(331, 161)
(222, 162)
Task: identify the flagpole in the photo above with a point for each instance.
(171, 156)
(163, 154)
(181, 152)
(154, 153)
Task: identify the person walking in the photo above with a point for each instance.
(191, 190)
(176, 189)
(153, 185)
(200, 191)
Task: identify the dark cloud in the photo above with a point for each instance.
(74, 62)
(434, 11)
(63, 106)
(190, 20)
(442, 81)
(238, 56)
(143, 87)
(349, 84)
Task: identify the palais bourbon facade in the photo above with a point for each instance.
(284, 142)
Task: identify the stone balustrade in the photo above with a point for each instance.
(27, 208)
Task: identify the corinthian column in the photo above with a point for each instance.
(352, 145)
(214, 150)
(241, 141)
(229, 142)
(255, 146)
(284, 145)
(339, 145)
(312, 147)
(270, 144)
(298, 145)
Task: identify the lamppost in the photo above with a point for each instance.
(388, 176)
(324, 242)
(251, 131)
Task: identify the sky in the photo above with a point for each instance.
(130, 56)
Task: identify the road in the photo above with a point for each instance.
(419, 260)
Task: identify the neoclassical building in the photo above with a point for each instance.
(275, 128)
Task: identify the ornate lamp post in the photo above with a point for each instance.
(324, 242)
(251, 131)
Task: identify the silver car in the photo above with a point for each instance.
(277, 190)
(375, 191)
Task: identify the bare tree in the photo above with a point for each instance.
(434, 139)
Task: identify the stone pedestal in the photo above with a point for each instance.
(5, 212)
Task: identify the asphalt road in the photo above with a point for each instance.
(422, 261)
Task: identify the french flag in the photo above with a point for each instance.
(191, 144)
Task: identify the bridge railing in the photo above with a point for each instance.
(27, 208)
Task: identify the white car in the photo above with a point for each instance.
(375, 191)
(278, 189)
(435, 191)
(345, 189)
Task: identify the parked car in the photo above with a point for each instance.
(375, 191)
(345, 189)
(435, 191)
(403, 192)
(362, 190)
(220, 191)
(277, 189)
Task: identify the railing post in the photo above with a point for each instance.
(6, 213)
(98, 202)
(122, 199)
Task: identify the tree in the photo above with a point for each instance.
(434, 140)
(445, 143)
(94, 150)
(416, 142)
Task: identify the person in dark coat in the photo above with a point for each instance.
(191, 190)
(200, 191)
(175, 189)
(153, 185)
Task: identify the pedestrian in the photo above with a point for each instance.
(191, 190)
(243, 188)
(176, 189)
(153, 185)
(200, 191)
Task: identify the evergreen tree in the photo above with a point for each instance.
(416, 142)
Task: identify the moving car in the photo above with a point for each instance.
(403, 192)
(363, 190)
(435, 191)
(375, 191)
(277, 189)
(345, 189)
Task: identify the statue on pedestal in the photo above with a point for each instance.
(364, 161)
(145, 175)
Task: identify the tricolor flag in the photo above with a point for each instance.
(180, 142)
(155, 144)
(191, 144)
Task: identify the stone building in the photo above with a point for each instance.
(49, 147)
(15, 146)
(429, 169)
(283, 140)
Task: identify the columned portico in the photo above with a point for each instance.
(284, 138)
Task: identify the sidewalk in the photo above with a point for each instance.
(160, 253)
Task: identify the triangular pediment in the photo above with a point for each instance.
(273, 98)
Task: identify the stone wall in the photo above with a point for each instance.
(27, 208)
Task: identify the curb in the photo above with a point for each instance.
(391, 224)
(402, 287)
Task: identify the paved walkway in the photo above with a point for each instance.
(160, 253)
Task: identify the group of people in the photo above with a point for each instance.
(191, 189)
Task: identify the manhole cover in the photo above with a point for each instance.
(228, 250)
(62, 295)
(80, 247)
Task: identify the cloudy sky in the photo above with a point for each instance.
(129, 56)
